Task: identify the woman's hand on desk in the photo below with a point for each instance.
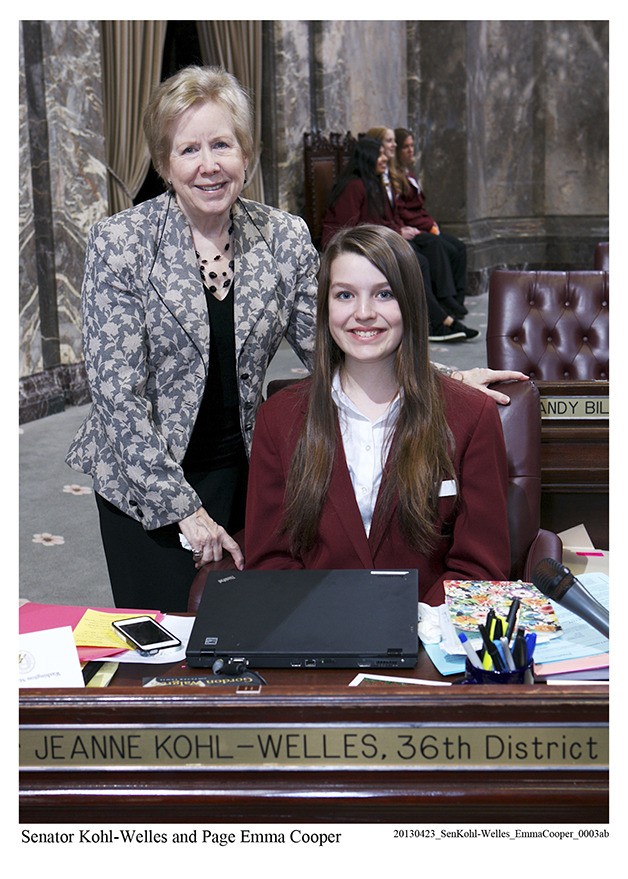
(208, 539)
(481, 377)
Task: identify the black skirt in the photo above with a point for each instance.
(149, 569)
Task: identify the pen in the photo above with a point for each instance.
(507, 654)
(474, 659)
(494, 660)
(497, 629)
(511, 619)
(490, 616)
(488, 624)
(486, 657)
(500, 652)
(519, 650)
(530, 645)
(498, 664)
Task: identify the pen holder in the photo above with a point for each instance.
(475, 675)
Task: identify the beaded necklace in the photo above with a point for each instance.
(220, 277)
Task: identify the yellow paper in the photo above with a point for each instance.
(95, 629)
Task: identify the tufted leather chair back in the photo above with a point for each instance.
(551, 325)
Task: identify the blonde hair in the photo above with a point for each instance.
(186, 88)
(397, 179)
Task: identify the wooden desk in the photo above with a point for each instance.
(575, 464)
(382, 753)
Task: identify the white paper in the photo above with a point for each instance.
(391, 679)
(49, 659)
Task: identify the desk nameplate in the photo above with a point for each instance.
(384, 747)
(575, 408)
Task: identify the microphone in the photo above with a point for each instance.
(557, 582)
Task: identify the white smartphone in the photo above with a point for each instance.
(145, 634)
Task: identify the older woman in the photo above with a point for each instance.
(186, 298)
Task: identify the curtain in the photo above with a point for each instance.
(132, 55)
(237, 46)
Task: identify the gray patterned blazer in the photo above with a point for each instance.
(146, 343)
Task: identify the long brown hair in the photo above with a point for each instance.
(397, 176)
(420, 452)
(401, 136)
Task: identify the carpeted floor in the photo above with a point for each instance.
(60, 555)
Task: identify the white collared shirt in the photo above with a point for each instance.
(388, 187)
(366, 444)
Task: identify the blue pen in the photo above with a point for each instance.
(507, 654)
(474, 659)
(500, 650)
(530, 645)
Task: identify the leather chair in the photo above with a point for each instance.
(323, 160)
(601, 256)
(551, 325)
(529, 544)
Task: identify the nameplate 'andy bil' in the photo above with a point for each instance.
(590, 408)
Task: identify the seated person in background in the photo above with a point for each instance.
(378, 460)
(447, 258)
(359, 197)
(411, 209)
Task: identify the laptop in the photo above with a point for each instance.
(306, 619)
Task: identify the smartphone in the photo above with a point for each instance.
(145, 634)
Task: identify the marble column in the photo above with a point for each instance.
(511, 120)
(62, 193)
(333, 76)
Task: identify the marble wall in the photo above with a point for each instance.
(512, 125)
(332, 76)
(62, 193)
(510, 119)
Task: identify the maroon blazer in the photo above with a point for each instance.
(411, 207)
(351, 209)
(473, 542)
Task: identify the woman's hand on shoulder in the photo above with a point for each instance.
(481, 377)
(209, 539)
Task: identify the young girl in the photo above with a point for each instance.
(452, 273)
(378, 461)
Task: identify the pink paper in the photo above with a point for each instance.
(35, 617)
(583, 663)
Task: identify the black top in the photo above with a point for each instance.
(216, 439)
